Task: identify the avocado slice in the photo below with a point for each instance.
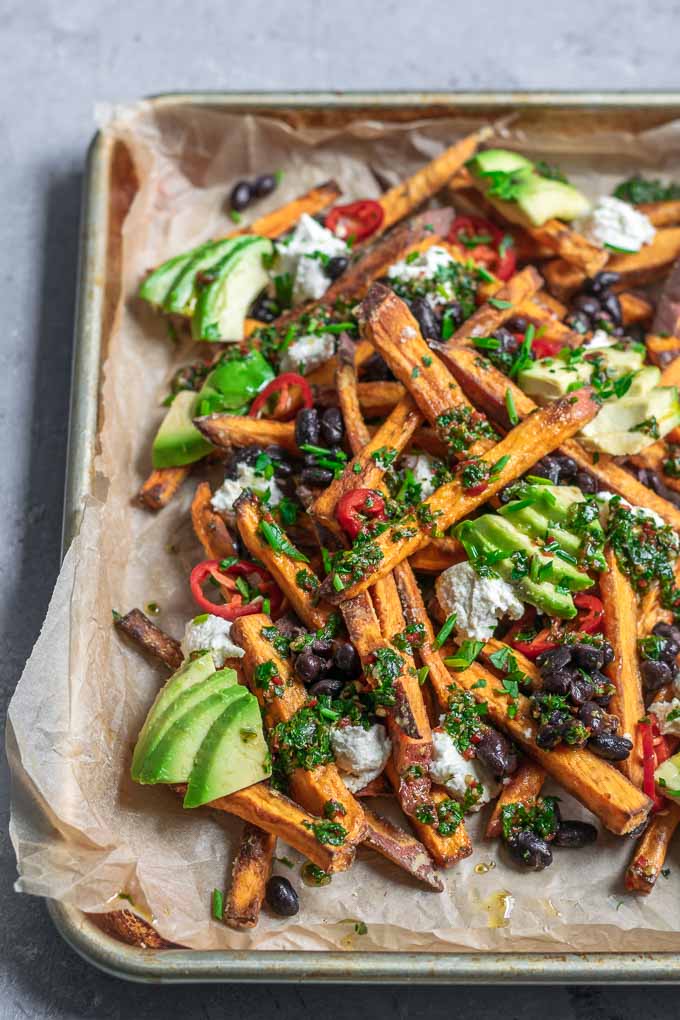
(550, 378)
(178, 441)
(499, 159)
(187, 676)
(172, 759)
(181, 298)
(237, 279)
(163, 716)
(615, 429)
(155, 287)
(533, 523)
(668, 777)
(233, 755)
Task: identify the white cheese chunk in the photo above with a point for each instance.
(450, 769)
(619, 225)
(668, 714)
(424, 267)
(423, 468)
(600, 340)
(478, 602)
(246, 478)
(360, 754)
(308, 353)
(299, 256)
(208, 633)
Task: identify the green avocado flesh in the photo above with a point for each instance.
(534, 199)
(230, 387)
(233, 755)
(187, 676)
(237, 279)
(181, 297)
(668, 777)
(157, 284)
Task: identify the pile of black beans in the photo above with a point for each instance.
(430, 321)
(245, 192)
(562, 470)
(654, 482)
(597, 306)
(318, 428)
(324, 665)
(658, 663)
(534, 851)
(574, 673)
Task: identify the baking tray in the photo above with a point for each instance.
(110, 186)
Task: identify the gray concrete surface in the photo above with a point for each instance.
(59, 57)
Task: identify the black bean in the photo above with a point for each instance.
(264, 185)
(424, 315)
(322, 647)
(376, 369)
(574, 834)
(532, 851)
(655, 674)
(585, 482)
(670, 650)
(548, 736)
(593, 716)
(608, 652)
(336, 266)
(496, 752)
(264, 308)
(587, 303)
(547, 467)
(345, 658)
(579, 321)
(554, 658)
(281, 897)
(582, 690)
(329, 685)
(308, 666)
(610, 746)
(316, 477)
(667, 630)
(241, 195)
(332, 426)
(588, 657)
(568, 466)
(517, 324)
(508, 343)
(307, 427)
(612, 305)
(600, 282)
(558, 681)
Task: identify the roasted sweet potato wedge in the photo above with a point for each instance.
(650, 852)
(150, 638)
(229, 430)
(209, 528)
(250, 873)
(161, 486)
(522, 788)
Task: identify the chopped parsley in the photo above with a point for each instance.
(541, 818)
(638, 190)
(328, 833)
(464, 718)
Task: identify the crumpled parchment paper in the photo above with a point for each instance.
(83, 832)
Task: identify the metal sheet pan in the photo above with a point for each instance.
(109, 189)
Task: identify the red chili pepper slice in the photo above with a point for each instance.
(545, 348)
(355, 506)
(589, 620)
(356, 219)
(282, 382)
(649, 763)
(465, 230)
(234, 608)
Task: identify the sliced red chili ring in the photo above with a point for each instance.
(356, 219)
(282, 382)
(588, 621)
(234, 608)
(544, 348)
(357, 505)
(486, 244)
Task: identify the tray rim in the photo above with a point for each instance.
(199, 966)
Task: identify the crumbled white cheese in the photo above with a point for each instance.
(605, 498)
(208, 633)
(308, 353)
(299, 256)
(360, 754)
(246, 478)
(619, 225)
(478, 602)
(600, 340)
(424, 267)
(450, 769)
(664, 710)
(423, 468)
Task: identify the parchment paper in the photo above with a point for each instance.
(83, 832)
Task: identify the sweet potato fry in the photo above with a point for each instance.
(209, 528)
(278, 222)
(663, 351)
(324, 375)
(402, 849)
(523, 788)
(662, 214)
(378, 399)
(600, 787)
(550, 326)
(346, 387)
(640, 267)
(313, 788)
(487, 387)
(161, 486)
(251, 871)
(573, 247)
(488, 318)
(150, 638)
(634, 308)
(620, 629)
(228, 430)
(650, 852)
(438, 555)
(532, 439)
(394, 434)
(401, 200)
(286, 569)
(388, 323)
